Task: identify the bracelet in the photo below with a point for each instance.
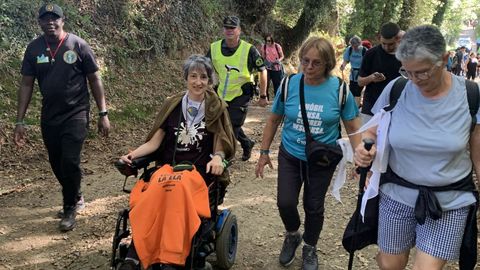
(263, 96)
(220, 154)
(225, 163)
(20, 123)
(102, 113)
(264, 151)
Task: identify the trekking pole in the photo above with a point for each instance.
(229, 69)
(367, 144)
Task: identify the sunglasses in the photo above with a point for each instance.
(229, 27)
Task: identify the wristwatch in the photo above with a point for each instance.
(102, 113)
(263, 96)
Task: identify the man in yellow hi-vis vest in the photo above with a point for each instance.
(235, 61)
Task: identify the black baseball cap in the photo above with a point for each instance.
(50, 8)
(231, 21)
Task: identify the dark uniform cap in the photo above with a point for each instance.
(231, 21)
(50, 8)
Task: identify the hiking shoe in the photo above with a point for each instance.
(68, 222)
(78, 207)
(128, 265)
(310, 260)
(290, 244)
(247, 151)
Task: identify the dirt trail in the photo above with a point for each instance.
(29, 238)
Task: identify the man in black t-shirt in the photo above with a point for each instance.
(245, 58)
(62, 63)
(379, 67)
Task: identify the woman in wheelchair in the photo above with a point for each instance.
(190, 126)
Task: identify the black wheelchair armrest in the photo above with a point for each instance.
(143, 162)
(137, 163)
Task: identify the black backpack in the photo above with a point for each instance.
(473, 97)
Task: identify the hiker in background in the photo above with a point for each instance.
(321, 91)
(450, 65)
(243, 59)
(353, 55)
(458, 61)
(429, 137)
(272, 54)
(62, 63)
(379, 66)
(471, 66)
(367, 44)
(478, 65)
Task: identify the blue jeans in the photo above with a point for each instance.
(292, 173)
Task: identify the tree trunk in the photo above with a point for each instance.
(438, 17)
(313, 11)
(407, 15)
(253, 13)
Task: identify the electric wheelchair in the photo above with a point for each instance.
(218, 234)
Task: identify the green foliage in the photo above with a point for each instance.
(372, 18)
(288, 11)
(210, 7)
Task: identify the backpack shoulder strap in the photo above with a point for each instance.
(343, 93)
(473, 98)
(284, 87)
(349, 52)
(276, 48)
(395, 93)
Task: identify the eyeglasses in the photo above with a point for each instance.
(269, 40)
(425, 75)
(315, 63)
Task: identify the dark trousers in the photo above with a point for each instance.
(237, 109)
(292, 173)
(471, 74)
(64, 143)
(276, 77)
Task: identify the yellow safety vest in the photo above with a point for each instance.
(239, 60)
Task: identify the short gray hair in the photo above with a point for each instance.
(355, 40)
(196, 62)
(424, 42)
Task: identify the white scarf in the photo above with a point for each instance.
(380, 163)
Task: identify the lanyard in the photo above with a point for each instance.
(53, 53)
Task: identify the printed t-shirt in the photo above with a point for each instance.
(62, 80)
(323, 112)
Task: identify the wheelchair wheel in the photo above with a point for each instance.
(226, 244)
(119, 246)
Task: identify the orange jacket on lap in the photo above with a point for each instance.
(165, 214)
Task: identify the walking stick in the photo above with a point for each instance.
(229, 69)
(368, 143)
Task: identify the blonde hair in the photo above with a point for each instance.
(325, 51)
